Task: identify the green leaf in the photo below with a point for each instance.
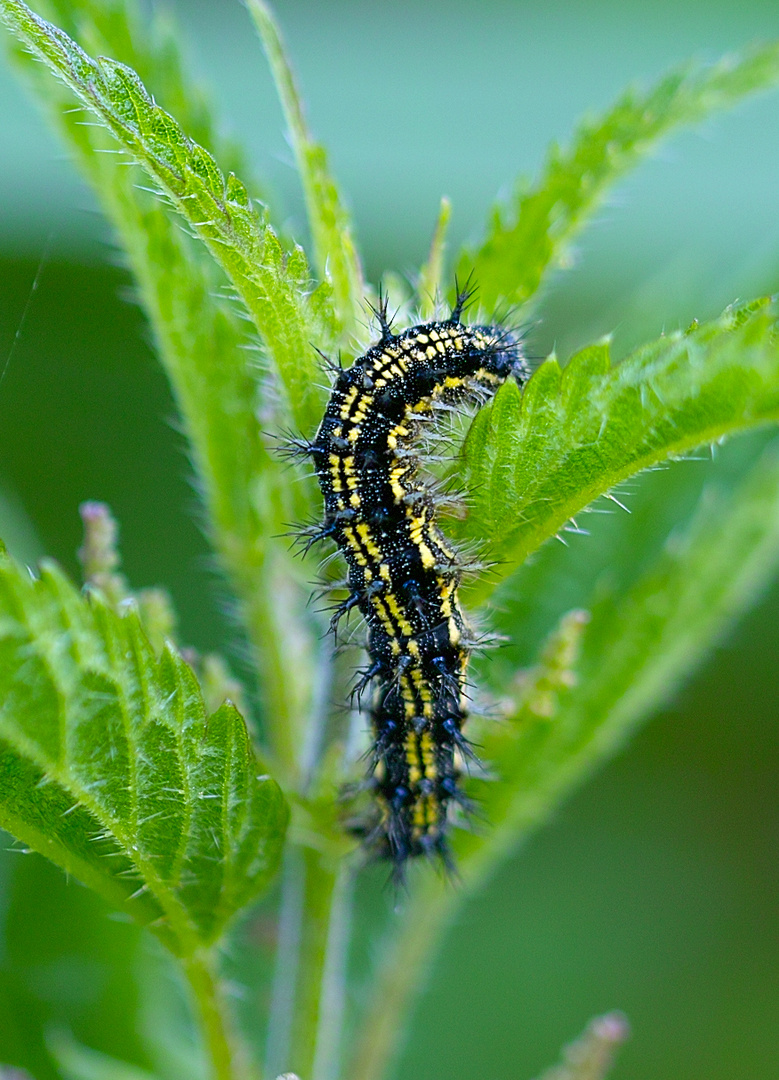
(112, 769)
(535, 460)
(149, 43)
(335, 254)
(598, 679)
(530, 237)
(274, 284)
(202, 342)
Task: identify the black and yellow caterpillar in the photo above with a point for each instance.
(403, 575)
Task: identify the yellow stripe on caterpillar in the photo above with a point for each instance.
(402, 573)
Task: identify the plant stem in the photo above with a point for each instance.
(222, 1053)
(281, 654)
(304, 1033)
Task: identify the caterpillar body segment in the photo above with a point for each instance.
(402, 573)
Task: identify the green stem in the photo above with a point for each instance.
(304, 1034)
(282, 651)
(225, 1058)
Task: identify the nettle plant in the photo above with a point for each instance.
(126, 762)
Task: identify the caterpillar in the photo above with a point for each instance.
(403, 576)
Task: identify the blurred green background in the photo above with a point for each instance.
(656, 889)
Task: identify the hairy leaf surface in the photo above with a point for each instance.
(202, 342)
(273, 283)
(534, 460)
(149, 43)
(600, 676)
(112, 768)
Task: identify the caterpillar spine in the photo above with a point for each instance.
(403, 576)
